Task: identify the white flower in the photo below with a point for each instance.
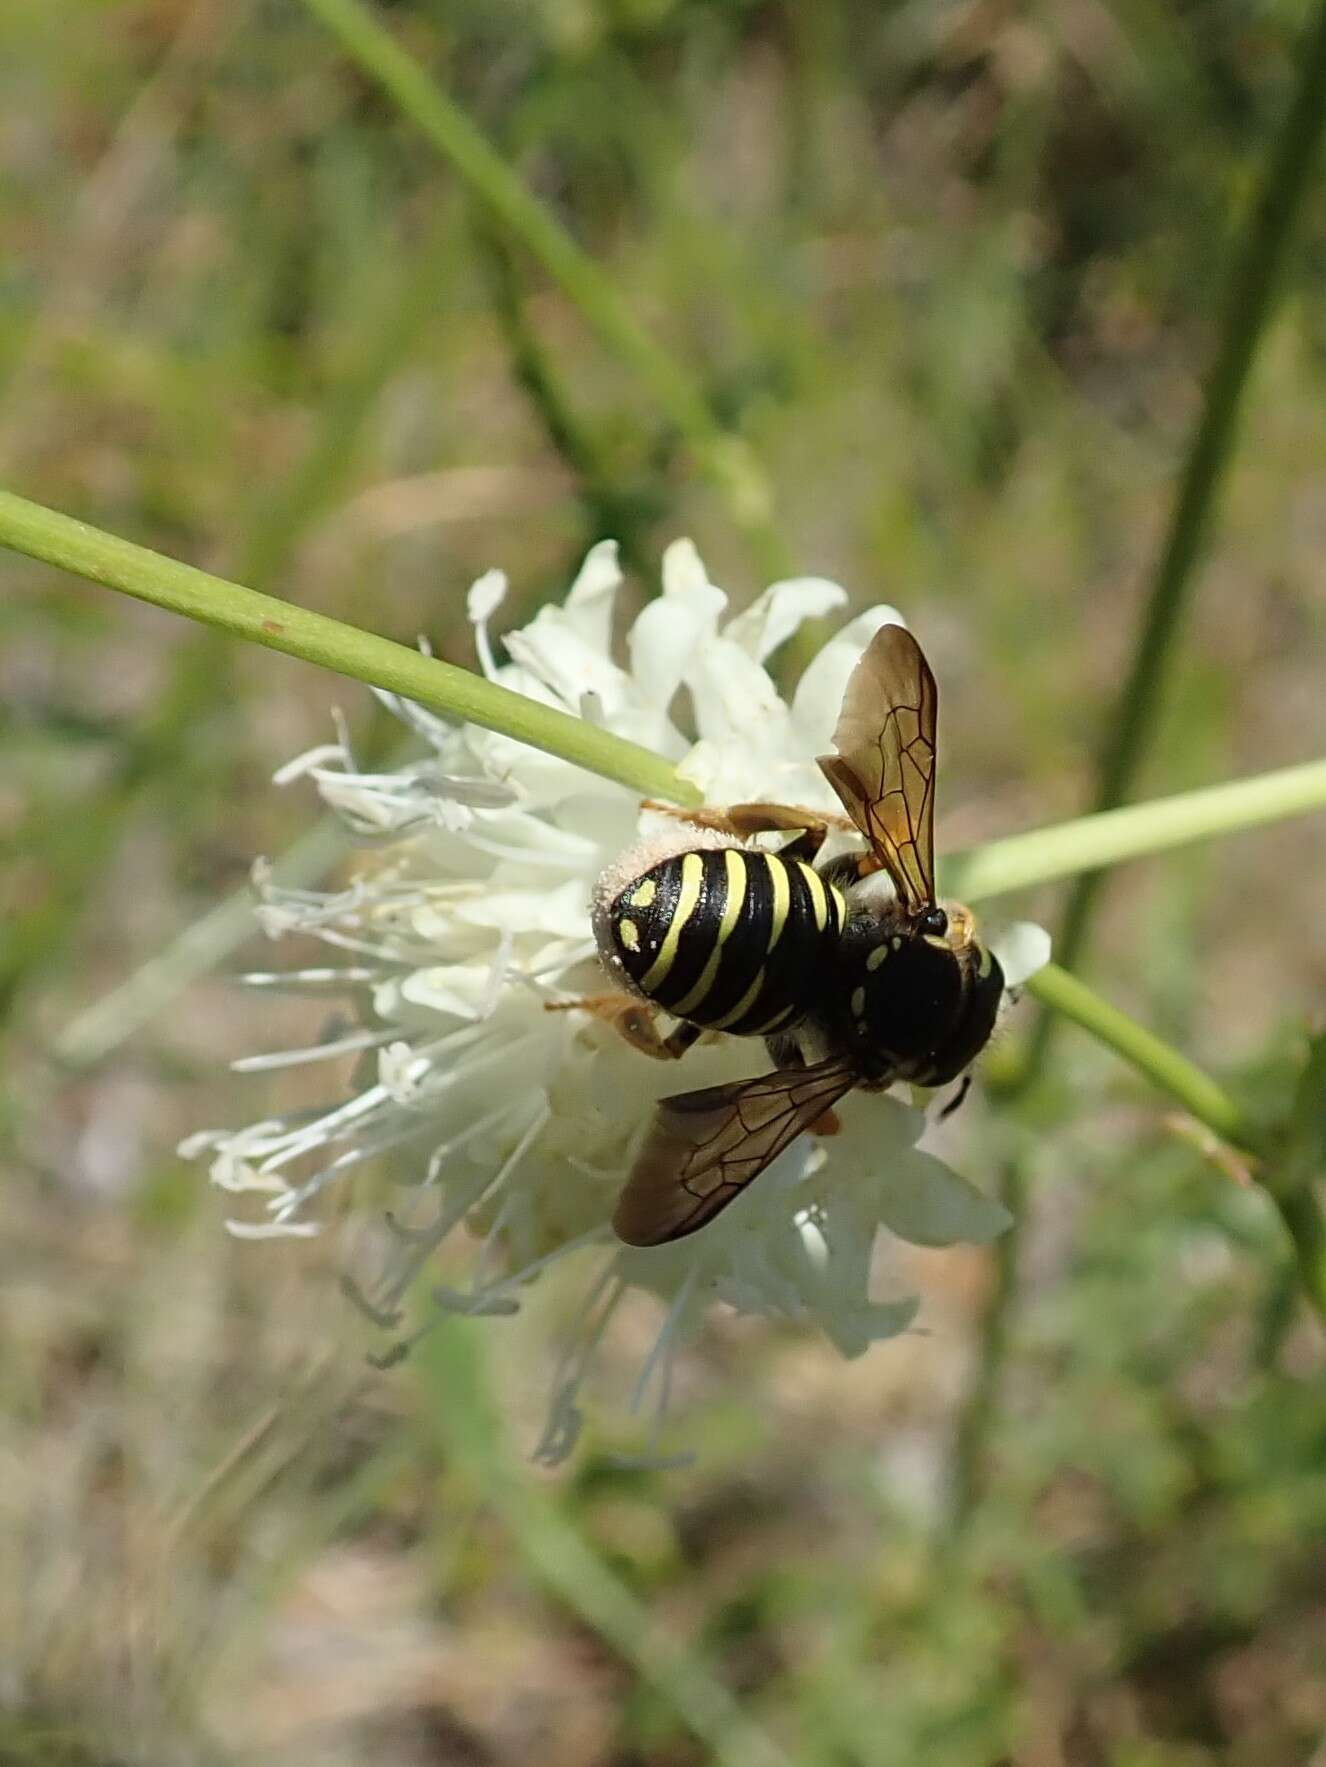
(469, 917)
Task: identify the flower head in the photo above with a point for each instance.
(468, 921)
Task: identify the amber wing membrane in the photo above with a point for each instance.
(884, 770)
(705, 1147)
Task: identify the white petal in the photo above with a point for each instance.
(731, 772)
(563, 910)
(1022, 949)
(922, 1200)
(589, 601)
(463, 989)
(819, 695)
(666, 636)
(553, 650)
(774, 616)
(734, 697)
(852, 1330)
(684, 573)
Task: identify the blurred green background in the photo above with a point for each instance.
(952, 270)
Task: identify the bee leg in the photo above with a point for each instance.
(744, 820)
(807, 844)
(633, 1020)
(957, 1099)
(679, 1041)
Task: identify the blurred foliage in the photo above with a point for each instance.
(952, 270)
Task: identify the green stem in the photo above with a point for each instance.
(1255, 270)
(725, 458)
(1132, 832)
(280, 625)
(1304, 1223)
(1289, 1183)
(612, 507)
(1247, 307)
(1142, 1049)
(1009, 864)
(141, 997)
(460, 1414)
(970, 1475)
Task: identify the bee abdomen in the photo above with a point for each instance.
(729, 939)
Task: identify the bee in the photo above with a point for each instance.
(852, 971)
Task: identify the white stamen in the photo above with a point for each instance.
(293, 1058)
(272, 1229)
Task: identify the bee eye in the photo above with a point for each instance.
(934, 922)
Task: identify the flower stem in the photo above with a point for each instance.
(724, 457)
(1302, 1215)
(1133, 831)
(1253, 280)
(1199, 1095)
(1013, 863)
(280, 625)
(1283, 1173)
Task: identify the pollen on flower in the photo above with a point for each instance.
(471, 915)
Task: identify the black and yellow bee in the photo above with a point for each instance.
(852, 971)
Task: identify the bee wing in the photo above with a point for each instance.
(884, 770)
(705, 1147)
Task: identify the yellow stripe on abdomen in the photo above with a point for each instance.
(737, 886)
(735, 865)
(782, 899)
(819, 901)
(688, 895)
(742, 1007)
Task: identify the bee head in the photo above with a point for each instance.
(949, 926)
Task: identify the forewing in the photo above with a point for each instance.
(705, 1147)
(884, 770)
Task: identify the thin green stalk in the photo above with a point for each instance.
(461, 1416)
(1009, 864)
(280, 625)
(612, 506)
(204, 944)
(1306, 1226)
(1255, 270)
(967, 1480)
(1288, 1167)
(1157, 1060)
(725, 458)
(1254, 277)
(174, 748)
(70, 852)
(1132, 832)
